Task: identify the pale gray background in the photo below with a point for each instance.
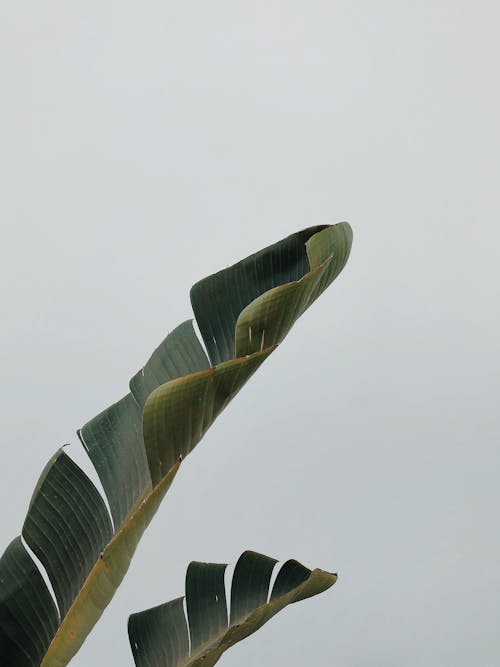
(147, 144)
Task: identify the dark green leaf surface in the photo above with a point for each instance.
(67, 527)
(250, 584)
(180, 354)
(163, 633)
(114, 438)
(113, 441)
(268, 319)
(28, 615)
(137, 443)
(291, 575)
(158, 635)
(219, 299)
(206, 602)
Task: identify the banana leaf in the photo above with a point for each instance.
(163, 637)
(138, 443)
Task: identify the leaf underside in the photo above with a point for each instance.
(162, 637)
(136, 445)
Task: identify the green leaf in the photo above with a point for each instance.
(103, 580)
(67, 527)
(28, 615)
(136, 444)
(267, 319)
(219, 299)
(177, 414)
(183, 355)
(159, 636)
(114, 439)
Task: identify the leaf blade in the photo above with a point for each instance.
(28, 615)
(124, 450)
(177, 414)
(152, 632)
(218, 299)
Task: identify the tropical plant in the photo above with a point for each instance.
(137, 445)
(161, 637)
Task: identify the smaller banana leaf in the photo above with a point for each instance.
(162, 637)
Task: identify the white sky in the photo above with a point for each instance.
(145, 145)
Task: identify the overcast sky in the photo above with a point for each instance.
(146, 145)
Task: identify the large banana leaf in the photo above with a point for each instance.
(137, 445)
(162, 637)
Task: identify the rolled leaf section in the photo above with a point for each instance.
(267, 319)
(219, 299)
